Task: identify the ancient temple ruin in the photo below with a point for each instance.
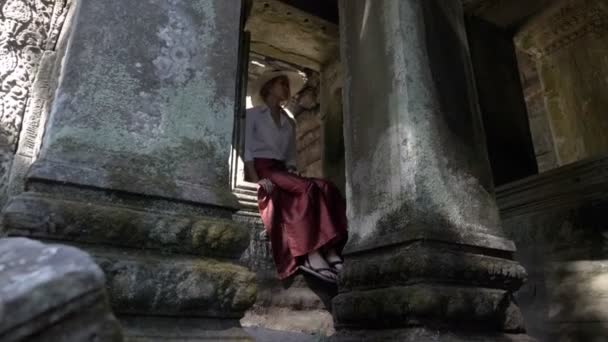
(468, 137)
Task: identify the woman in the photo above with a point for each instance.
(305, 217)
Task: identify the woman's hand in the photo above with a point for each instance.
(267, 185)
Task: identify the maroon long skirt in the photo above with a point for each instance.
(301, 215)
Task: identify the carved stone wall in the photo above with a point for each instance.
(542, 138)
(28, 29)
(568, 42)
(309, 142)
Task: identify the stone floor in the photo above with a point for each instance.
(266, 335)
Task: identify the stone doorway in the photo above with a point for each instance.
(308, 44)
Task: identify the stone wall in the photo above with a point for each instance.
(558, 222)
(544, 147)
(29, 31)
(333, 123)
(568, 42)
(309, 142)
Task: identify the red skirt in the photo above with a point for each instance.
(301, 215)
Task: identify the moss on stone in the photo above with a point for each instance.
(221, 236)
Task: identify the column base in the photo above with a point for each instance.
(430, 284)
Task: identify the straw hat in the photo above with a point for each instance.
(296, 83)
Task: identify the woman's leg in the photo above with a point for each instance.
(299, 186)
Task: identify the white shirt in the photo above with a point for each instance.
(264, 139)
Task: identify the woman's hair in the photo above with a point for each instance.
(265, 90)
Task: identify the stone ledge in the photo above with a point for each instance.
(130, 179)
(428, 262)
(429, 305)
(146, 283)
(568, 186)
(433, 233)
(51, 218)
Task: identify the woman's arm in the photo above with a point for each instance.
(248, 157)
(250, 169)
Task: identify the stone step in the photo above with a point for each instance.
(38, 216)
(151, 283)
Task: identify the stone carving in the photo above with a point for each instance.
(560, 26)
(27, 29)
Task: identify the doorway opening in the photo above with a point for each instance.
(300, 36)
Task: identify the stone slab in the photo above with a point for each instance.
(52, 292)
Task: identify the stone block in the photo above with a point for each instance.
(52, 293)
(426, 261)
(52, 218)
(148, 283)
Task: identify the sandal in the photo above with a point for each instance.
(307, 267)
(333, 264)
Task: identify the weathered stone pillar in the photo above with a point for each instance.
(134, 164)
(426, 260)
(568, 42)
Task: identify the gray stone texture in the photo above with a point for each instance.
(52, 293)
(544, 146)
(155, 118)
(426, 247)
(53, 218)
(301, 305)
(309, 143)
(305, 40)
(567, 41)
(183, 329)
(28, 30)
(415, 150)
(134, 163)
(557, 220)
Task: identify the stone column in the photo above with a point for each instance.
(134, 163)
(426, 259)
(568, 42)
